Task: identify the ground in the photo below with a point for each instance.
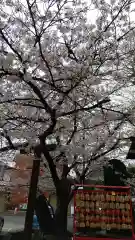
(16, 222)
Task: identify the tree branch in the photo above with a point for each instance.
(15, 147)
(38, 93)
(10, 45)
(28, 119)
(42, 148)
(5, 135)
(85, 108)
(74, 130)
(96, 157)
(38, 37)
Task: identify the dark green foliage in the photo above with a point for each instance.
(115, 173)
(131, 152)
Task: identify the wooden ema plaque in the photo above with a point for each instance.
(103, 213)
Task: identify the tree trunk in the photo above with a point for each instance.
(31, 200)
(63, 192)
(61, 216)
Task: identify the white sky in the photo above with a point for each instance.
(94, 14)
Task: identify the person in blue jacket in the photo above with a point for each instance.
(35, 224)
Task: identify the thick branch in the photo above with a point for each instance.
(85, 108)
(27, 119)
(11, 46)
(126, 33)
(43, 149)
(74, 131)
(15, 147)
(5, 135)
(48, 132)
(38, 93)
(124, 4)
(24, 102)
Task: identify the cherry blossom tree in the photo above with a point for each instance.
(67, 77)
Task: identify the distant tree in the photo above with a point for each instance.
(131, 169)
(116, 173)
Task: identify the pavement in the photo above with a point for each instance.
(16, 222)
(13, 222)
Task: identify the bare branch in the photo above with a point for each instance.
(15, 147)
(11, 46)
(87, 109)
(38, 38)
(38, 93)
(5, 135)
